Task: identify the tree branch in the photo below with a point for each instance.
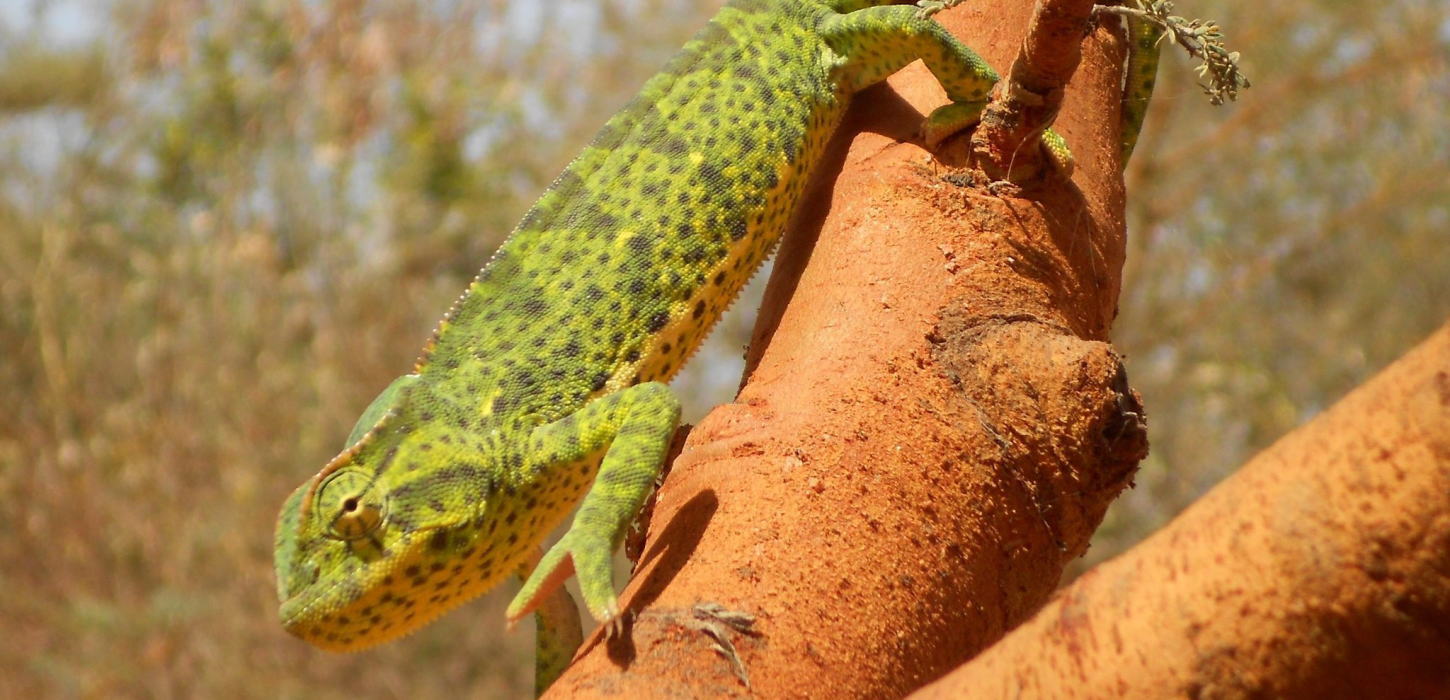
(1026, 101)
(1320, 569)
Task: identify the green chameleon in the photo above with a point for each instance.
(544, 384)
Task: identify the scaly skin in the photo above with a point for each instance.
(543, 384)
(1139, 77)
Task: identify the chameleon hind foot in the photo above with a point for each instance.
(927, 8)
(949, 120)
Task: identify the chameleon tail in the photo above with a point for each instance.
(1142, 71)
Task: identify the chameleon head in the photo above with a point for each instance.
(390, 534)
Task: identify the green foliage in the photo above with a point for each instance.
(1202, 39)
(1284, 248)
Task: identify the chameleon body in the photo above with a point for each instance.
(542, 386)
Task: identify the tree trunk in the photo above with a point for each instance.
(932, 426)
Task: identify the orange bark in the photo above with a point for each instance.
(1321, 569)
(932, 425)
(1030, 95)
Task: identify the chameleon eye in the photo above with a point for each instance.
(351, 512)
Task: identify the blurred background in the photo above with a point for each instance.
(225, 226)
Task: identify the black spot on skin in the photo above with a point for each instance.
(699, 310)
(658, 321)
(631, 356)
(671, 144)
(599, 381)
(437, 566)
(439, 540)
(719, 278)
(412, 571)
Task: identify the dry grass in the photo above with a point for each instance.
(230, 249)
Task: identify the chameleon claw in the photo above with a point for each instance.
(927, 8)
(614, 626)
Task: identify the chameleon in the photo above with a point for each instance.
(543, 387)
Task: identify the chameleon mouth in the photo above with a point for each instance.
(382, 614)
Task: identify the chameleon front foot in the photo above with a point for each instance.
(576, 553)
